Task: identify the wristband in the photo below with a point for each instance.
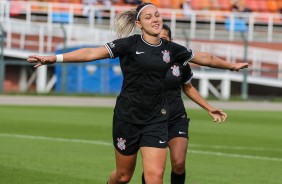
(59, 58)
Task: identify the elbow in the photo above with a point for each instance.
(210, 59)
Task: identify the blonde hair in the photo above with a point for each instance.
(124, 22)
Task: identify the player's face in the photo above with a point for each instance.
(164, 35)
(150, 21)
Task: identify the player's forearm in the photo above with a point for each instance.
(216, 62)
(210, 60)
(85, 54)
(194, 95)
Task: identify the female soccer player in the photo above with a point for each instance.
(141, 110)
(178, 121)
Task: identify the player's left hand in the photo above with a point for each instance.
(238, 66)
(218, 115)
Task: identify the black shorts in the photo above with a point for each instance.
(178, 128)
(128, 137)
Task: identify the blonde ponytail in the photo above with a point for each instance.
(124, 23)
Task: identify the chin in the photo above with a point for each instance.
(156, 33)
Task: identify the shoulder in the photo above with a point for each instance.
(134, 38)
(180, 48)
(176, 45)
(177, 48)
(125, 42)
(170, 44)
(130, 40)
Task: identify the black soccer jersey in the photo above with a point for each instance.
(144, 66)
(175, 77)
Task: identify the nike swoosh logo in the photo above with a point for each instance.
(161, 142)
(182, 132)
(139, 52)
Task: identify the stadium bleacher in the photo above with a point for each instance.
(264, 6)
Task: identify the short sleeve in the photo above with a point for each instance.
(183, 55)
(187, 74)
(119, 47)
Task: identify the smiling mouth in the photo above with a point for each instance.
(156, 26)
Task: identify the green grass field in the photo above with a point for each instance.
(72, 145)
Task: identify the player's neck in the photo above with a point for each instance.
(154, 40)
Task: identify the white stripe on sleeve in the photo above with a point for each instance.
(110, 51)
(189, 80)
(186, 62)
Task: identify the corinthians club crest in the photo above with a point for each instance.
(175, 70)
(166, 56)
(121, 143)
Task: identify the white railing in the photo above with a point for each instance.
(200, 24)
(35, 31)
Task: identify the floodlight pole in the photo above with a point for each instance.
(240, 25)
(244, 87)
(64, 69)
(2, 66)
(62, 18)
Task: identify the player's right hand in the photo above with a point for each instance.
(41, 60)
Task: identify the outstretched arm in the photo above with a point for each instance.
(80, 55)
(210, 60)
(217, 115)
